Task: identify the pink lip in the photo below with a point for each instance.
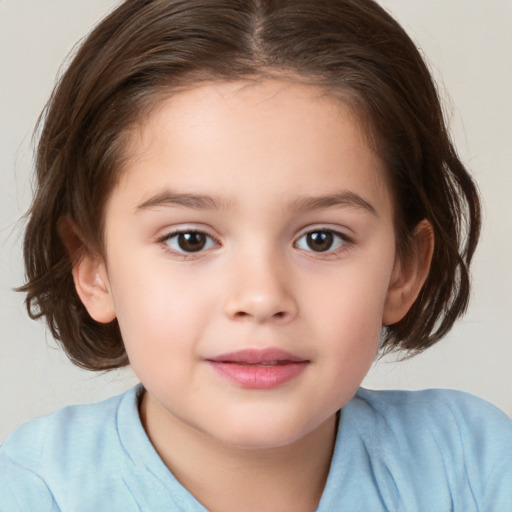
(259, 369)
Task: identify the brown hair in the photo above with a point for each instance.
(146, 48)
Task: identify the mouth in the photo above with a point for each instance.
(259, 369)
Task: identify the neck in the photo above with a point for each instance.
(225, 478)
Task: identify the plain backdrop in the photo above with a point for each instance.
(466, 42)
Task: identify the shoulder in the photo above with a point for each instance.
(447, 417)
(434, 432)
(47, 450)
(436, 409)
(40, 438)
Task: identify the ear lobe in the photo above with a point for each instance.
(409, 275)
(92, 286)
(89, 273)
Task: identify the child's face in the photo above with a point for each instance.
(250, 217)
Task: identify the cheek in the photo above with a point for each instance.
(159, 339)
(353, 296)
(349, 309)
(352, 331)
(162, 313)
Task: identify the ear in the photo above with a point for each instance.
(409, 275)
(89, 273)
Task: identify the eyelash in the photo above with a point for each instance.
(174, 235)
(333, 237)
(336, 237)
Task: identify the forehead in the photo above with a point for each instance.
(232, 133)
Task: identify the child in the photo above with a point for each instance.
(246, 201)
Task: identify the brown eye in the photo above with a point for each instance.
(189, 241)
(321, 240)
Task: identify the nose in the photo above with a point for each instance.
(260, 291)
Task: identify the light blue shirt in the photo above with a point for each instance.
(399, 451)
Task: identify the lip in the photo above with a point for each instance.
(259, 368)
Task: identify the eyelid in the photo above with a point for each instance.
(337, 230)
(173, 233)
(340, 234)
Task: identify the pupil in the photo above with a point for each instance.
(320, 241)
(191, 242)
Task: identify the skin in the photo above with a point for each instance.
(265, 152)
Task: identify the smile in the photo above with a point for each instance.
(259, 369)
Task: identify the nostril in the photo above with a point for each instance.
(244, 314)
(260, 307)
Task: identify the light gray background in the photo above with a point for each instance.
(467, 42)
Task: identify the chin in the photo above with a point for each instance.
(262, 435)
(259, 442)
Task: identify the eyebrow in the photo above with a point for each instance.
(206, 202)
(194, 201)
(343, 198)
